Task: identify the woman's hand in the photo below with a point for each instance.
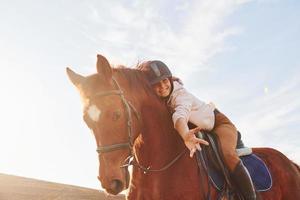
(188, 136)
(192, 142)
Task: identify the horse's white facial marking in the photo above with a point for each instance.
(94, 113)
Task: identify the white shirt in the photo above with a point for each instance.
(185, 105)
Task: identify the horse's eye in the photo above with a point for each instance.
(116, 115)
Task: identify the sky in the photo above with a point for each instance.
(243, 55)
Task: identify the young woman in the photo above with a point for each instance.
(185, 108)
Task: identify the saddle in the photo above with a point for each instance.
(211, 160)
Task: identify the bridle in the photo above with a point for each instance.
(129, 144)
(129, 109)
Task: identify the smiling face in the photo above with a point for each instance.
(163, 88)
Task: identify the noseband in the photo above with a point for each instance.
(129, 108)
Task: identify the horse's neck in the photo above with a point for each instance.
(159, 141)
(157, 147)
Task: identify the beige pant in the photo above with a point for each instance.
(227, 134)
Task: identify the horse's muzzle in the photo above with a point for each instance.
(116, 186)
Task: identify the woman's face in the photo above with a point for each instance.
(162, 88)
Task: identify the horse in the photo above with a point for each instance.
(131, 125)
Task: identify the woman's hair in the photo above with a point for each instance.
(174, 78)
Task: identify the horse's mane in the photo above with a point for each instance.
(136, 79)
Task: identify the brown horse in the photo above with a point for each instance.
(127, 118)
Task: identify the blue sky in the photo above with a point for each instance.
(243, 55)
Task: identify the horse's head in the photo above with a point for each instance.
(112, 116)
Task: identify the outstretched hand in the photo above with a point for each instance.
(192, 142)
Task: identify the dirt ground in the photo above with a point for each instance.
(19, 188)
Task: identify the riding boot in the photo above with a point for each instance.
(243, 182)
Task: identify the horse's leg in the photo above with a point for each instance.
(285, 175)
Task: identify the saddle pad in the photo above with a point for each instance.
(259, 172)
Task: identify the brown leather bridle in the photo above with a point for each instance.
(129, 109)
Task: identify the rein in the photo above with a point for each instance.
(146, 170)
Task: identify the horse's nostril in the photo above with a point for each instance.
(116, 186)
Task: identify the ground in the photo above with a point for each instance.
(19, 188)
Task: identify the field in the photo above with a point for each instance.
(19, 188)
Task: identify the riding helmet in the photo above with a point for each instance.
(156, 71)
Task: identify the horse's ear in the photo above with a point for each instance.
(103, 67)
(76, 79)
